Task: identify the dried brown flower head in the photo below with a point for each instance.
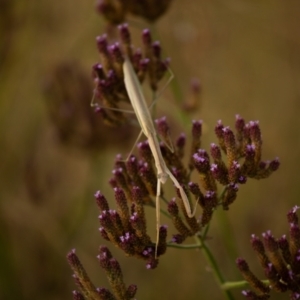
(116, 11)
(69, 93)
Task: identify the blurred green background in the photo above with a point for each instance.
(246, 55)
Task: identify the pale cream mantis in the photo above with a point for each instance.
(143, 115)
(141, 110)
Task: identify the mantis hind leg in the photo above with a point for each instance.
(157, 215)
(184, 197)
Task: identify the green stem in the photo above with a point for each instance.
(175, 87)
(234, 285)
(210, 258)
(177, 94)
(165, 213)
(165, 200)
(239, 284)
(205, 232)
(184, 247)
(222, 194)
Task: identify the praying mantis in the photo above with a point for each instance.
(140, 107)
(141, 110)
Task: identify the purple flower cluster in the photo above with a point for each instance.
(280, 260)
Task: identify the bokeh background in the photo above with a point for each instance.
(246, 55)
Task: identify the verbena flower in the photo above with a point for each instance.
(280, 260)
(220, 171)
(108, 75)
(134, 184)
(87, 289)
